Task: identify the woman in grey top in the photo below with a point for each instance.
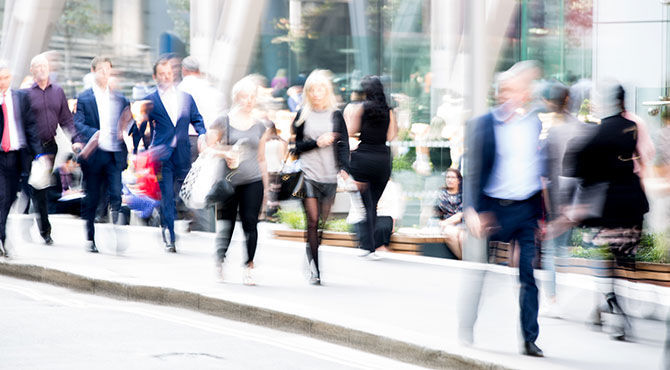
(241, 140)
(322, 143)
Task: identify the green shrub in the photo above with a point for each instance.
(594, 253)
(339, 224)
(653, 247)
(296, 220)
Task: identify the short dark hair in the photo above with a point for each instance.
(97, 60)
(163, 59)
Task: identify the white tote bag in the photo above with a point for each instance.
(205, 172)
(40, 173)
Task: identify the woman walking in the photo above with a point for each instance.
(606, 162)
(321, 142)
(241, 140)
(371, 161)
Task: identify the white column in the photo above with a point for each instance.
(205, 15)
(127, 26)
(27, 29)
(235, 38)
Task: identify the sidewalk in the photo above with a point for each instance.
(403, 307)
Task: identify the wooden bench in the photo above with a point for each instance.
(407, 244)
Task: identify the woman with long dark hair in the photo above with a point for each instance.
(321, 142)
(449, 210)
(371, 161)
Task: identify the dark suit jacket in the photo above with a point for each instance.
(87, 122)
(24, 117)
(174, 140)
(480, 151)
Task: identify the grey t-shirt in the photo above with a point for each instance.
(319, 164)
(248, 140)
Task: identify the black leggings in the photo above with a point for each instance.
(315, 209)
(249, 199)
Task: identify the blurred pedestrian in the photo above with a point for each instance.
(210, 103)
(371, 161)
(503, 188)
(19, 144)
(50, 109)
(559, 128)
(173, 111)
(99, 110)
(321, 143)
(606, 161)
(241, 138)
(276, 149)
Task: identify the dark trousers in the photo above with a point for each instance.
(40, 197)
(370, 196)
(170, 183)
(248, 199)
(518, 221)
(10, 171)
(383, 230)
(105, 171)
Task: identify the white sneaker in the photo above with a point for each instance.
(219, 272)
(248, 277)
(550, 308)
(370, 256)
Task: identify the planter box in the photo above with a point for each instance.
(645, 272)
(407, 244)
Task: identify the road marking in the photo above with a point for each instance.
(295, 343)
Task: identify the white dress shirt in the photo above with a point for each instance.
(17, 138)
(107, 140)
(171, 102)
(208, 99)
(518, 162)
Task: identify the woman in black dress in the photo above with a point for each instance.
(371, 161)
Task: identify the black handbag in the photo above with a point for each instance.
(291, 181)
(223, 188)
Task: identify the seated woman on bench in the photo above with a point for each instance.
(449, 210)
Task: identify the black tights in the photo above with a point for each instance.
(315, 209)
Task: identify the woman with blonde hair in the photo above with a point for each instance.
(321, 141)
(240, 138)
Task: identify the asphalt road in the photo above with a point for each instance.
(47, 327)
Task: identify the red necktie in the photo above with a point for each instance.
(5, 133)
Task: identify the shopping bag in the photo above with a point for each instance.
(206, 174)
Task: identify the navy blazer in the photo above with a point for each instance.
(87, 122)
(174, 140)
(480, 151)
(24, 116)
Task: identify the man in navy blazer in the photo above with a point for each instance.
(502, 188)
(19, 141)
(97, 120)
(172, 112)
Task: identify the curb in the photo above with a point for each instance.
(372, 343)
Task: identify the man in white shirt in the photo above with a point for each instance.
(97, 120)
(19, 143)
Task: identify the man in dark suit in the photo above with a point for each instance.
(98, 112)
(19, 144)
(502, 198)
(172, 112)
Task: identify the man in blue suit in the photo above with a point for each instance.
(502, 188)
(97, 120)
(172, 112)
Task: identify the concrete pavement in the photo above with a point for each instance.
(403, 307)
